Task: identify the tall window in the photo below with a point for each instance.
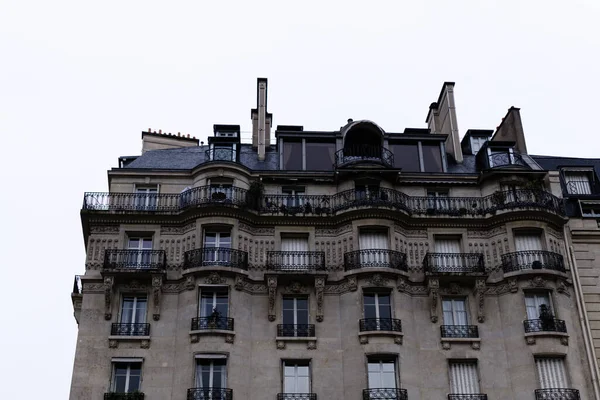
(367, 191)
(139, 258)
(437, 199)
(370, 241)
(146, 197)
(133, 310)
(448, 246)
(382, 373)
(578, 182)
(292, 155)
(294, 196)
(295, 316)
(214, 308)
(211, 374)
(296, 377)
(463, 377)
(222, 152)
(533, 303)
(551, 372)
(296, 252)
(220, 190)
(377, 305)
(127, 377)
(216, 247)
(455, 311)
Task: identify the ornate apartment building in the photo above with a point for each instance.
(347, 264)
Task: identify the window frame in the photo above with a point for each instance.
(380, 359)
(295, 308)
(377, 294)
(113, 379)
(296, 363)
(453, 299)
(535, 294)
(211, 358)
(214, 289)
(135, 296)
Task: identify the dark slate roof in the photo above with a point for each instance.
(555, 162)
(466, 167)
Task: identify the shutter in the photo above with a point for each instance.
(463, 378)
(551, 372)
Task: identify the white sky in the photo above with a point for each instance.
(80, 80)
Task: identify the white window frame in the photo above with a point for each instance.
(214, 290)
(148, 196)
(379, 363)
(134, 308)
(537, 298)
(296, 376)
(211, 363)
(113, 384)
(454, 311)
(219, 243)
(295, 309)
(139, 258)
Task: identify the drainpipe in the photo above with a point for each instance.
(587, 333)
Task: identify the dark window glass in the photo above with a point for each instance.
(406, 156)
(320, 156)
(292, 156)
(432, 157)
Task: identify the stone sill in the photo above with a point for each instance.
(528, 272)
(363, 337)
(311, 341)
(474, 342)
(195, 335)
(376, 270)
(113, 340)
(531, 337)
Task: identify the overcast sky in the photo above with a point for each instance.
(80, 80)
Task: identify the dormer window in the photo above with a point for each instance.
(363, 143)
(226, 134)
(477, 143)
(579, 181)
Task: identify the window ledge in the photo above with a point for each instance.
(474, 342)
(531, 337)
(195, 335)
(364, 336)
(311, 341)
(113, 340)
(528, 272)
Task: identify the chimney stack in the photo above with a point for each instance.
(441, 118)
(261, 120)
(511, 129)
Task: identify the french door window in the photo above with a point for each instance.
(295, 252)
(140, 257)
(296, 377)
(382, 374)
(217, 245)
(448, 247)
(533, 303)
(373, 240)
(551, 372)
(367, 192)
(294, 196)
(464, 378)
(210, 375)
(221, 192)
(437, 200)
(377, 311)
(295, 316)
(455, 311)
(214, 308)
(146, 197)
(133, 313)
(127, 377)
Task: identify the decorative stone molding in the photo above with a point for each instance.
(433, 286)
(280, 345)
(134, 286)
(113, 341)
(531, 338)
(295, 287)
(190, 283)
(414, 290)
(281, 342)
(254, 231)
(156, 295)
(272, 292)
(378, 280)
(513, 286)
(538, 282)
(104, 229)
(474, 342)
(319, 289)
(172, 288)
(113, 344)
(145, 344)
(311, 345)
(229, 336)
(480, 297)
(239, 282)
(109, 282)
(363, 337)
(325, 232)
(353, 283)
(561, 287)
(214, 279)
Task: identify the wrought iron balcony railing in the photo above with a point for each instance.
(296, 396)
(295, 261)
(460, 331)
(532, 259)
(220, 154)
(545, 325)
(453, 263)
(131, 329)
(582, 188)
(557, 394)
(467, 396)
(215, 256)
(209, 393)
(380, 324)
(364, 154)
(524, 198)
(506, 159)
(296, 330)
(134, 260)
(375, 258)
(124, 396)
(385, 394)
(380, 197)
(207, 323)
(298, 204)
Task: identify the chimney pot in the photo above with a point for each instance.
(178, 133)
(149, 129)
(160, 131)
(350, 120)
(188, 135)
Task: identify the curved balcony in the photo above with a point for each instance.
(375, 258)
(209, 393)
(532, 260)
(545, 325)
(220, 154)
(134, 260)
(295, 261)
(296, 396)
(124, 396)
(506, 159)
(212, 322)
(459, 331)
(453, 263)
(215, 256)
(380, 324)
(385, 394)
(557, 394)
(296, 330)
(380, 198)
(467, 397)
(133, 329)
(367, 154)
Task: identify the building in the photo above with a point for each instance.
(347, 264)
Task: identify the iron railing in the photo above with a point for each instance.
(523, 199)
(505, 159)
(557, 394)
(220, 154)
(124, 396)
(380, 324)
(375, 258)
(136, 260)
(209, 393)
(385, 394)
(582, 187)
(453, 263)
(298, 204)
(364, 153)
(213, 256)
(545, 325)
(380, 197)
(532, 259)
(212, 322)
(296, 330)
(459, 331)
(295, 261)
(296, 396)
(467, 396)
(131, 329)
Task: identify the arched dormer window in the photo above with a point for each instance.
(363, 143)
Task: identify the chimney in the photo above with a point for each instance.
(511, 129)
(441, 118)
(261, 120)
(158, 141)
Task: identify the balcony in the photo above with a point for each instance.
(295, 261)
(124, 396)
(385, 394)
(545, 325)
(220, 154)
(296, 396)
(380, 324)
(364, 154)
(467, 397)
(453, 263)
(375, 258)
(459, 331)
(557, 394)
(210, 393)
(135, 260)
(296, 330)
(215, 256)
(135, 329)
(380, 198)
(508, 158)
(212, 322)
(532, 260)
(297, 204)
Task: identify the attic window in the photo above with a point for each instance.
(477, 143)
(226, 134)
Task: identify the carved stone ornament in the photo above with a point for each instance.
(281, 345)
(319, 289)
(113, 344)
(378, 280)
(561, 287)
(311, 345)
(108, 288)
(194, 338)
(476, 345)
(364, 339)
(537, 282)
(455, 288)
(398, 339)
(513, 285)
(446, 345)
(530, 340)
(480, 296)
(229, 338)
(134, 285)
(434, 287)
(401, 285)
(295, 287)
(145, 344)
(156, 295)
(272, 292)
(239, 282)
(214, 279)
(564, 340)
(352, 283)
(190, 283)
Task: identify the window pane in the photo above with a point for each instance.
(303, 384)
(292, 155)
(134, 383)
(320, 156)
(134, 244)
(147, 244)
(432, 157)
(406, 156)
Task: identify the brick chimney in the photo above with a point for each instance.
(261, 120)
(441, 118)
(159, 140)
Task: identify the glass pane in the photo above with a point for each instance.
(289, 384)
(303, 385)
(134, 244)
(320, 156)
(140, 312)
(134, 383)
(206, 304)
(147, 244)
(375, 379)
(432, 157)
(119, 385)
(292, 155)
(388, 379)
(127, 310)
(210, 239)
(406, 156)
(302, 317)
(289, 370)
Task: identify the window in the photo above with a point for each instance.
(295, 250)
(455, 311)
(477, 143)
(406, 156)
(448, 248)
(222, 152)
(214, 308)
(211, 374)
(590, 208)
(533, 303)
(367, 191)
(528, 246)
(216, 247)
(292, 155)
(133, 316)
(382, 374)
(225, 134)
(296, 317)
(578, 182)
(463, 377)
(551, 372)
(319, 156)
(432, 157)
(370, 241)
(294, 196)
(500, 157)
(437, 199)
(127, 377)
(220, 190)
(140, 256)
(146, 197)
(377, 311)
(296, 377)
